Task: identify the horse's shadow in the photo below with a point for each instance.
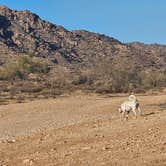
(148, 114)
(161, 107)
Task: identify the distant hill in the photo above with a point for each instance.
(23, 32)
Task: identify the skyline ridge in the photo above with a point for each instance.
(128, 21)
(155, 43)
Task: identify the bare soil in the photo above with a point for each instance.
(83, 130)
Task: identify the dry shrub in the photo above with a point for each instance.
(4, 86)
(152, 79)
(30, 87)
(121, 76)
(106, 77)
(23, 66)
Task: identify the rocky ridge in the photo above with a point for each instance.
(25, 32)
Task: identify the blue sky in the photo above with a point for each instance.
(126, 20)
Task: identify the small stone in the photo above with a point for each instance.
(127, 143)
(105, 148)
(68, 154)
(26, 161)
(11, 141)
(86, 148)
(30, 161)
(164, 143)
(53, 149)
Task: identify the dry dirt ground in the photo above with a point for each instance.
(83, 130)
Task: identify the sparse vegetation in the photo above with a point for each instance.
(106, 77)
(153, 79)
(23, 66)
(31, 76)
(79, 59)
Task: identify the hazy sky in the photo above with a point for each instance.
(126, 20)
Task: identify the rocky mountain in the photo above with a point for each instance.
(25, 32)
(153, 54)
(38, 58)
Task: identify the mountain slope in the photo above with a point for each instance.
(58, 58)
(25, 32)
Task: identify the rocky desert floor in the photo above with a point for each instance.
(83, 130)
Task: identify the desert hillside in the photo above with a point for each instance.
(25, 32)
(41, 59)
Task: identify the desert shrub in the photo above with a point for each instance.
(33, 65)
(13, 91)
(23, 66)
(152, 79)
(20, 98)
(39, 67)
(31, 89)
(4, 86)
(10, 71)
(103, 87)
(81, 79)
(107, 77)
(139, 90)
(123, 76)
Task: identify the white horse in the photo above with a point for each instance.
(130, 105)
